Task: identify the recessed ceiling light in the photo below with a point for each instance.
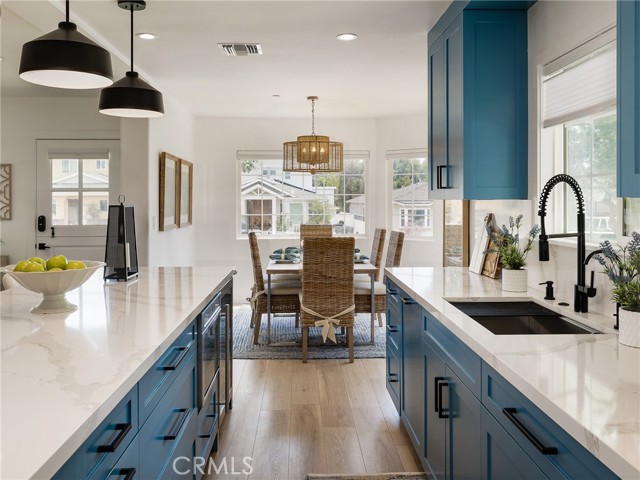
(347, 37)
(1, 59)
(275, 95)
(146, 35)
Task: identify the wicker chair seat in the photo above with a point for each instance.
(284, 278)
(361, 277)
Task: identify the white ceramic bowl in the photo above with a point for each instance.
(53, 285)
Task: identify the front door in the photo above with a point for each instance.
(77, 180)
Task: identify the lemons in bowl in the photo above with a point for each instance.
(57, 263)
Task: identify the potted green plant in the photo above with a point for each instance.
(513, 255)
(622, 266)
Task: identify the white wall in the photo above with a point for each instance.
(25, 119)
(555, 27)
(216, 181)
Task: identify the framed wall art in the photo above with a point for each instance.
(169, 191)
(186, 194)
(5, 191)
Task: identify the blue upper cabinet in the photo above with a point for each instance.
(628, 98)
(478, 105)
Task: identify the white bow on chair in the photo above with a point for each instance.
(327, 323)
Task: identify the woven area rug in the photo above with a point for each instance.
(283, 330)
(377, 476)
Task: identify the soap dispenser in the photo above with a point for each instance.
(549, 291)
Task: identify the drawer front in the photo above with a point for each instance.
(394, 329)
(183, 464)
(393, 295)
(161, 433)
(393, 377)
(556, 453)
(208, 420)
(127, 467)
(160, 377)
(107, 443)
(462, 360)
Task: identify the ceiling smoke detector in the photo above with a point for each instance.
(240, 49)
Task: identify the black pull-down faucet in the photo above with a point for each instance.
(581, 291)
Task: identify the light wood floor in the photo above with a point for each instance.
(326, 416)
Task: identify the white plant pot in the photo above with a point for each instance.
(514, 280)
(629, 324)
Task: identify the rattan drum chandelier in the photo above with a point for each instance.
(312, 153)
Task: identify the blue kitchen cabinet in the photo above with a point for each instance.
(478, 106)
(502, 458)
(452, 415)
(628, 66)
(394, 343)
(412, 396)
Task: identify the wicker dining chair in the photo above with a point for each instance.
(376, 255)
(362, 289)
(327, 288)
(309, 230)
(284, 294)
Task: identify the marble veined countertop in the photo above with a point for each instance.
(588, 384)
(62, 374)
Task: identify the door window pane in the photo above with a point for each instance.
(92, 212)
(64, 173)
(66, 212)
(94, 177)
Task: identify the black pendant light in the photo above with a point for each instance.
(65, 58)
(131, 96)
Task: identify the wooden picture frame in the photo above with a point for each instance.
(185, 189)
(169, 191)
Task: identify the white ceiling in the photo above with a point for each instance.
(382, 73)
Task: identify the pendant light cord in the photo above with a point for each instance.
(132, 38)
(67, 10)
(313, 117)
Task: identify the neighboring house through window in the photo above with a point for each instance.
(412, 211)
(273, 202)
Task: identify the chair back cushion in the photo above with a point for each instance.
(308, 230)
(376, 249)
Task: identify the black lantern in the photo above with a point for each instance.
(121, 254)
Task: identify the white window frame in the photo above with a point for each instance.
(552, 144)
(409, 154)
(242, 155)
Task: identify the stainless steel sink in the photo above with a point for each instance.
(521, 318)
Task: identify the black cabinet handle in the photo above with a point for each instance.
(213, 426)
(179, 358)
(392, 292)
(407, 300)
(128, 473)
(184, 413)
(392, 329)
(442, 412)
(436, 397)
(510, 412)
(392, 378)
(111, 447)
(439, 182)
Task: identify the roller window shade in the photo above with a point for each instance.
(583, 88)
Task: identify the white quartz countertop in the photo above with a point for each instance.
(588, 384)
(63, 373)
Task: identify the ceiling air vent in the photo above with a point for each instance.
(240, 49)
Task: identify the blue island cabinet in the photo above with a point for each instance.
(464, 420)
(628, 66)
(478, 105)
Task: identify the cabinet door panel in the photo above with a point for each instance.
(502, 458)
(628, 66)
(455, 109)
(412, 397)
(435, 443)
(437, 114)
(463, 434)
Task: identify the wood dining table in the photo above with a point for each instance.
(277, 267)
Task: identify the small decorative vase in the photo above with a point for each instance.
(629, 329)
(514, 280)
